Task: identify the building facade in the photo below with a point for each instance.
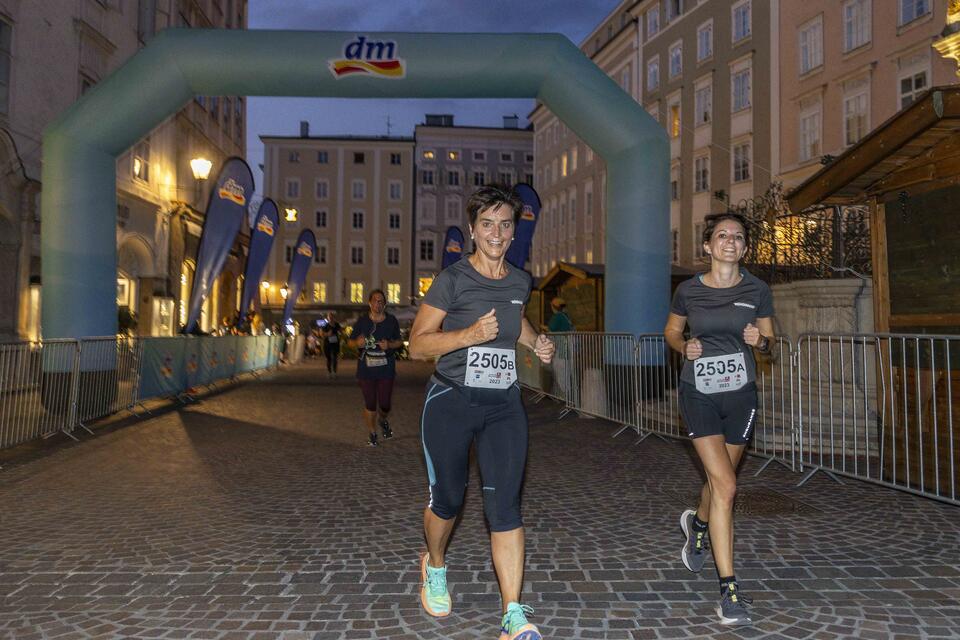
(452, 161)
(570, 178)
(356, 194)
(846, 67)
(51, 53)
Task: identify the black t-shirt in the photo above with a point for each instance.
(331, 333)
(373, 362)
(465, 295)
(717, 317)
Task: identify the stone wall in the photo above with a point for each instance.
(823, 306)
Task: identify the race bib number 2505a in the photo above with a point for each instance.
(720, 373)
(490, 368)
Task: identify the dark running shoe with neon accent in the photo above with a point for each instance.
(387, 431)
(372, 439)
(732, 609)
(694, 552)
(515, 625)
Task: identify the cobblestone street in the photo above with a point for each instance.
(259, 512)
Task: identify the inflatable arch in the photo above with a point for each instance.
(80, 148)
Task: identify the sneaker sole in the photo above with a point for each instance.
(527, 634)
(423, 591)
(739, 622)
(686, 535)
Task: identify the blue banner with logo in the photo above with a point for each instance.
(452, 247)
(519, 251)
(225, 212)
(162, 372)
(303, 254)
(262, 233)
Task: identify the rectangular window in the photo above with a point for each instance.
(811, 45)
(480, 156)
(675, 120)
(741, 21)
(357, 220)
(674, 9)
(856, 24)
(393, 220)
(427, 177)
(293, 188)
(452, 211)
(289, 253)
(505, 178)
(141, 159)
(426, 250)
(321, 255)
(653, 74)
(321, 222)
(911, 87)
(564, 159)
(395, 159)
(741, 162)
(675, 249)
(741, 90)
(356, 293)
(393, 256)
(396, 190)
(323, 157)
(676, 60)
(653, 22)
(528, 178)
(359, 157)
(428, 211)
(293, 157)
(910, 10)
(701, 174)
(810, 134)
(429, 154)
(358, 189)
(705, 41)
(506, 156)
(698, 251)
(855, 112)
(675, 182)
(625, 79)
(703, 103)
(322, 189)
(319, 291)
(356, 254)
(393, 293)
(479, 178)
(453, 155)
(528, 158)
(453, 178)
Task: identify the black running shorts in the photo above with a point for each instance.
(731, 414)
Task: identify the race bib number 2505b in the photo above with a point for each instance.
(490, 368)
(720, 373)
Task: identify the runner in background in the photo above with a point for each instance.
(376, 336)
(730, 314)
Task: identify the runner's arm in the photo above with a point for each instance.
(428, 340)
(673, 332)
(528, 335)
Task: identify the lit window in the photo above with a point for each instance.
(675, 121)
(563, 165)
(423, 285)
(356, 293)
(453, 155)
(141, 152)
(319, 291)
(429, 155)
(393, 293)
(290, 214)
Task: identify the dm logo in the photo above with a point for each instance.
(527, 213)
(368, 58)
(305, 250)
(266, 225)
(454, 246)
(232, 191)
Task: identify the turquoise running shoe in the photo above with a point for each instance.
(515, 625)
(433, 590)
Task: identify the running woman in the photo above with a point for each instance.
(730, 314)
(472, 317)
(376, 336)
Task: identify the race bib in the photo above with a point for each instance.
(720, 373)
(375, 361)
(333, 339)
(490, 368)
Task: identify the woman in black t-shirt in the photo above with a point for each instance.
(376, 336)
(330, 334)
(730, 314)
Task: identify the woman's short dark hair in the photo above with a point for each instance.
(375, 292)
(493, 195)
(711, 221)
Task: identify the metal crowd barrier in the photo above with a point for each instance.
(875, 407)
(53, 386)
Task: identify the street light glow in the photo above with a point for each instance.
(201, 168)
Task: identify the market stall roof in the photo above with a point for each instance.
(917, 145)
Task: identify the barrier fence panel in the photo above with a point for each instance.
(774, 432)
(879, 408)
(658, 381)
(602, 375)
(108, 376)
(37, 389)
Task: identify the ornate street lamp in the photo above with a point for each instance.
(948, 44)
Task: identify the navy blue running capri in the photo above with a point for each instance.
(731, 414)
(453, 418)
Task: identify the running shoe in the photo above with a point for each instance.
(387, 431)
(372, 440)
(695, 548)
(515, 625)
(433, 591)
(732, 609)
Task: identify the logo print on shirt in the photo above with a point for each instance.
(745, 304)
(516, 302)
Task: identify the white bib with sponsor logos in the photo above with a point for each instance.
(720, 373)
(490, 368)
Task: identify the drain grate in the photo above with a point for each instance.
(758, 502)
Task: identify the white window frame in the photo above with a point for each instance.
(703, 93)
(912, 73)
(675, 56)
(811, 114)
(653, 21)
(390, 217)
(701, 173)
(358, 215)
(653, 73)
(326, 218)
(292, 194)
(479, 156)
(705, 52)
(856, 29)
(741, 161)
(395, 185)
(428, 211)
(739, 72)
(325, 184)
(858, 98)
(903, 4)
(423, 244)
(322, 252)
(393, 293)
(452, 207)
(393, 247)
(506, 156)
(358, 248)
(735, 35)
(358, 186)
(676, 184)
(810, 45)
